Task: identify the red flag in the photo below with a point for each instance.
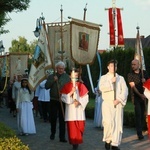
(112, 13)
(120, 30)
(111, 27)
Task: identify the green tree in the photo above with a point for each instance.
(8, 6)
(21, 45)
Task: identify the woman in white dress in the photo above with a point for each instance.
(24, 107)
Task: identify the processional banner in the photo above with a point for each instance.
(41, 60)
(4, 68)
(112, 26)
(59, 38)
(18, 64)
(84, 41)
(139, 51)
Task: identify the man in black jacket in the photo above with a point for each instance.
(136, 79)
(55, 82)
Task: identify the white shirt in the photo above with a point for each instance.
(44, 95)
(75, 113)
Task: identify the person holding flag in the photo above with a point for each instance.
(55, 82)
(136, 79)
(112, 107)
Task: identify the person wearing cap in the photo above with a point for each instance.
(55, 82)
(146, 86)
(114, 95)
(24, 107)
(75, 95)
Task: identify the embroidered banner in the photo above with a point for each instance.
(41, 61)
(57, 36)
(4, 66)
(18, 63)
(84, 41)
(120, 30)
(139, 51)
(111, 27)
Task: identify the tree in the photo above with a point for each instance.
(8, 6)
(21, 45)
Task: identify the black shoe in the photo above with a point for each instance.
(63, 140)
(107, 146)
(115, 148)
(75, 146)
(141, 137)
(52, 136)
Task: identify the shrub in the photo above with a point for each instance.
(6, 131)
(8, 139)
(12, 143)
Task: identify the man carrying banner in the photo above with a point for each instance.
(136, 79)
(55, 82)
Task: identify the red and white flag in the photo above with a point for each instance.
(113, 12)
(139, 51)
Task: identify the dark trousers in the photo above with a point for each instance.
(56, 112)
(40, 108)
(46, 110)
(139, 108)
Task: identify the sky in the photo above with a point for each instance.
(135, 13)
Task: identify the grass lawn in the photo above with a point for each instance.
(129, 106)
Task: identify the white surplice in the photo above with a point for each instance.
(75, 113)
(113, 116)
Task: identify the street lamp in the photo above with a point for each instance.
(38, 26)
(2, 48)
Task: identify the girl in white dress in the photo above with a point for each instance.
(24, 107)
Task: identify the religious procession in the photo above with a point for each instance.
(57, 88)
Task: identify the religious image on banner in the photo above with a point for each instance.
(18, 63)
(39, 57)
(83, 41)
(41, 61)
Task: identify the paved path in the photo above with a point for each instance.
(92, 136)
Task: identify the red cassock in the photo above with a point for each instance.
(147, 85)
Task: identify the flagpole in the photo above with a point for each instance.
(61, 32)
(114, 19)
(87, 66)
(114, 44)
(53, 67)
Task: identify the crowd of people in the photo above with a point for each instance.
(64, 97)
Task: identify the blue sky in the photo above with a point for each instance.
(135, 12)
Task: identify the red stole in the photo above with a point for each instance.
(68, 87)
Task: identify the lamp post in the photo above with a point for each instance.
(38, 25)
